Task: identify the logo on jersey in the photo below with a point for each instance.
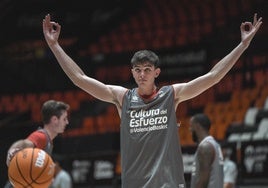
(148, 120)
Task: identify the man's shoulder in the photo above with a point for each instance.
(37, 133)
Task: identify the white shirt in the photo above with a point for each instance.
(230, 171)
(62, 180)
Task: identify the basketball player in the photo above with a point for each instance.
(150, 152)
(207, 170)
(55, 119)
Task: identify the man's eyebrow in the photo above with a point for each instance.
(144, 65)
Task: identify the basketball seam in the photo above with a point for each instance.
(11, 178)
(14, 180)
(19, 170)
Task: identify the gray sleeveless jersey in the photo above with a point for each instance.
(150, 149)
(216, 174)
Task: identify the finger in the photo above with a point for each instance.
(259, 20)
(47, 17)
(46, 21)
(258, 25)
(242, 27)
(57, 27)
(246, 26)
(255, 19)
(45, 27)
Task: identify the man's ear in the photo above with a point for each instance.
(157, 72)
(53, 118)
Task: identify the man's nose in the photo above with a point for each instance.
(142, 73)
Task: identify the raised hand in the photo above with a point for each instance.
(51, 30)
(248, 30)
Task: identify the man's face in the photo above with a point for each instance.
(193, 130)
(194, 137)
(61, 122)
(145, 73)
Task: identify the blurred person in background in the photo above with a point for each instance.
(207, 170)
(62, 178)
(230, 170)
(55, 119)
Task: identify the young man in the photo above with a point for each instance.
(55, 120)
(150, 152)
(207, 170)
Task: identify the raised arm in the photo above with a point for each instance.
(108, 93)
(185, 91)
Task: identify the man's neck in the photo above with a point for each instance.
(49, 132)
(147, 91)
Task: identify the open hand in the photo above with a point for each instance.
(51, 30)
(248, 30)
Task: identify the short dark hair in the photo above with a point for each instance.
(203, 120)
(145, 56)
(53, 108)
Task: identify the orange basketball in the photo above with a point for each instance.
(31, 168)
